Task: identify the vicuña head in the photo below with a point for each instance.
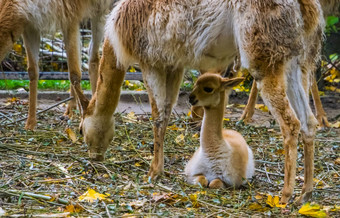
(223, 158)
(98, 130)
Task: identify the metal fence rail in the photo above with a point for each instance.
(59, 76)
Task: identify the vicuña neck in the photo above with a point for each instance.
(212, 125)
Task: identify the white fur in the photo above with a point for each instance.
(201, 164)
(210, 44)
(49, 16)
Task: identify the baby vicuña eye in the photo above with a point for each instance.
(208, 89)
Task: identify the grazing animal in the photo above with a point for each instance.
(31, 18)
(167, 37)
(223, 158)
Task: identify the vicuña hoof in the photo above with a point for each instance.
(201, 180)
(216, 183)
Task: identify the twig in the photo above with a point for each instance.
(269, 180)
(267, 162)
(107, 210)
(33, 195)
(42, 111)
(218, 212)
(274, 174)
(4, 115)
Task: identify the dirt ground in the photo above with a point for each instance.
(45, 173)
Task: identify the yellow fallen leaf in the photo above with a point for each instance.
(241, 105)
(173, 127)
(261, 107)
(179, 139)
(17, 48)
(336, 125)
(71, 135)
(195, 135)
(138, 164)
(257, 207)
(132, 70)
(320, 184)
(313, 210)
(91, 195)
(226, 119)
(258, 197)
(280, 152)
(73, 208)
(274, 201)
(201, 192)
(193, 199)
(189, 114)
(321, 93)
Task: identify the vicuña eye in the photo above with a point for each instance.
(208, 89)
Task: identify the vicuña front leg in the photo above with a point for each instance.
(250, 108)
(32, 41)
(163, 91)
(273, 92)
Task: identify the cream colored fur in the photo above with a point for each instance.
(223, 154)
(168, 36)
(31, 18)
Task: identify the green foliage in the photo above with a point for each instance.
(331, 22)
(42, 84)
(190, 78)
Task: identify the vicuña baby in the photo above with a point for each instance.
(223, 158)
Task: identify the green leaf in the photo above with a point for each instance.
(332, 20)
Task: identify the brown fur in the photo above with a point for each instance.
(329, 7)
(167, 36)
(31, 18)
(223, 154)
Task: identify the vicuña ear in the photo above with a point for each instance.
(229, 83)
(82, 100)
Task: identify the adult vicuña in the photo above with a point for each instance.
(166, 37)
(223, 158)
(30, 18)
(329, 7)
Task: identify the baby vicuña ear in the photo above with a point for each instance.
(229, 83)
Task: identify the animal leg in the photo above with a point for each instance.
(273, 92)
(32, 41)
(72, 45)
(320, 113)
(97, 28)
(163, 88)
(216, 184)
(202, 180)
(298, 97)
(249, 110)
